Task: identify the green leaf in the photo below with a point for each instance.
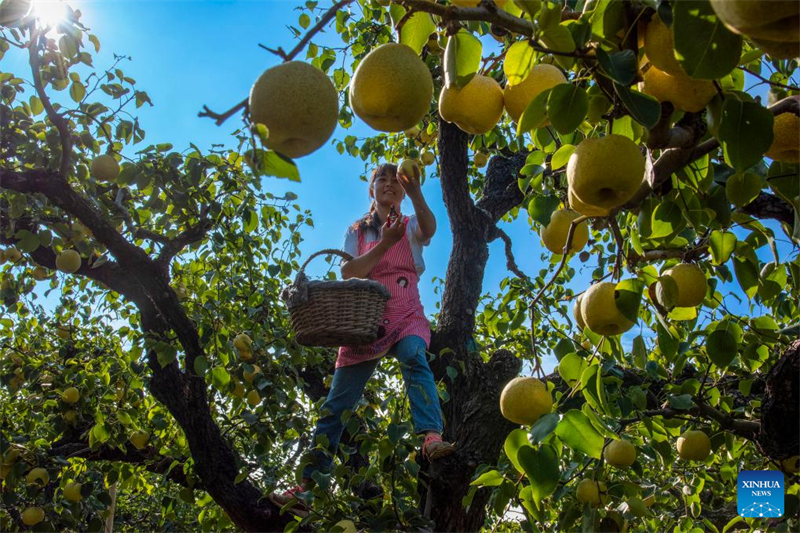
(667, 220)
(201, 366)
(542, 469)
(280, 166)
(561, 157)
(77, 91)
(667, 291)
(492, 478)
(629, 297)
(515, 440)
(36, 105)
(578, 433)
(541, 207)
(166, 353)
(742, 188)
(721, 346)
(682, 402)
(462, 57)
(705, 48)
(593, 389)
(100, 433)
(518, 62)
(124, 418)
(644, 109)
(416, 30)
(304, 20)
(620, 66)
(220, 378)
(746, 274)
(559, 38)
(535, 115)
(745, 132)
(571, 367)
(567, 107)
(27, 242)
(721, 244)
(543, 427)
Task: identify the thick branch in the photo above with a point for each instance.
(501, 190)
(148, 458)
(768, 205)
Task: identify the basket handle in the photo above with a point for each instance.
(329, 251)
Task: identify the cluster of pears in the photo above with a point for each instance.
(597, 307)
(244, 347)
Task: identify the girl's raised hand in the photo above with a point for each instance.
(410, 184)
(391, 233)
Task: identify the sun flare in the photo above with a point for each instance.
(50, 12)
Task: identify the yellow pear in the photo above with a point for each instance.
(685, 93)
(620, 453)
(238, 389)
(576, 313)
(32, 516)
(660, 47)
(140, 439)
(38, 476)
(409, 168)
(71, 415)
(605, 171)
(599, 310)
(68, 261)
(105, 167)
(392, 88)
(778, 49)
(541, 77)
(427, 158)
(476, 108)
(412, 132)
(691, 283)
(524, 400)
(250, 376)
(298, 104)
(554, 235)
(480, 159)
(776, 20)
(347, 526)
(70, 395)
(253, 398)
(40, 273)
(12, 255)
(243, 342)
(592, 492)
(585, 209)
(792, 464)
(786, 141)
(72, 492)
(694, 445)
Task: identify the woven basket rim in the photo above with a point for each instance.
(350, 284)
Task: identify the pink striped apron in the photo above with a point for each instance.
(404, 314)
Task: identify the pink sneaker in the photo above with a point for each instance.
(299, 508)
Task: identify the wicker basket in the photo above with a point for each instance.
(335, 313)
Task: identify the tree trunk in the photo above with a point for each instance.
(780, 420)
(473, 421)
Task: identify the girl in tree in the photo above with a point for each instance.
(386, 247)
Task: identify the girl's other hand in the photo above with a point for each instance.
(391, 233)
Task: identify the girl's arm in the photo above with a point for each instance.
(361, 266)
(426, 221)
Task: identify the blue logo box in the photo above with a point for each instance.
(760, 493)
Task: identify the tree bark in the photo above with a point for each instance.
(472, 416)
(780, 407)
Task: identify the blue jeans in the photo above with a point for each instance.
(348, 386)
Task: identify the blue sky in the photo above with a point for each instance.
(187, 54)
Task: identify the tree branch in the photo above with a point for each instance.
(326, 18)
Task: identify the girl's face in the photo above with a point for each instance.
(387, 190)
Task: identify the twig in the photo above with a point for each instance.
(773, 83)
(221, 118)
(58, 120)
